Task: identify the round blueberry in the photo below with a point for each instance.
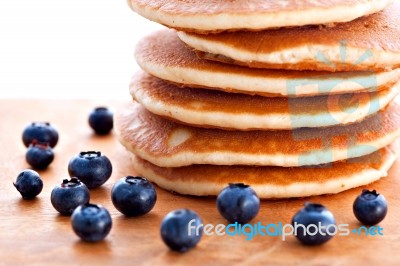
(133, 196)
(69, 195)
(92, 168)
(29, 184)
(91, 222)
(181, 229)
(314, 224)
(40, 132)
(370, 207)
(238, 203)
(101, 120)
(39, 155)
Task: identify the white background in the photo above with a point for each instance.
(68, 48)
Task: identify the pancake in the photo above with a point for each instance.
(168, 144)
(270, 181)
(208, 108)
(367, 43)
(216, 15)
(163, 55)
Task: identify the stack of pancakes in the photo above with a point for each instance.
(294, 98)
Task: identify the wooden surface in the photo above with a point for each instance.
(32, 232)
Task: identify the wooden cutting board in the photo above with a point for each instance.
(32, 232)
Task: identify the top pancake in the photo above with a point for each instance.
(219, 15)
(367, 43)
(163, 55)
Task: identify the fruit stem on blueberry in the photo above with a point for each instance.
(40, 123)
(239, 185)
(90, 208)
(91, 205)
(70, 183)
(369, 195)
(134, 179)
(90, 154)
(309, 206)
(74, 180)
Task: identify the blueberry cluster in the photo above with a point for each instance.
(239, 203)
(41, 137)
(87, 170)
(136, 196)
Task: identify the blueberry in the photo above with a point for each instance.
(29, 184)
(101, 120)
(314, 224)
(133, 196)
(91, 222)
(238, 203)
(370, 207)
(69, 195)
(40, 132)
(181, 229)
(39, 155)
(91, 168)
